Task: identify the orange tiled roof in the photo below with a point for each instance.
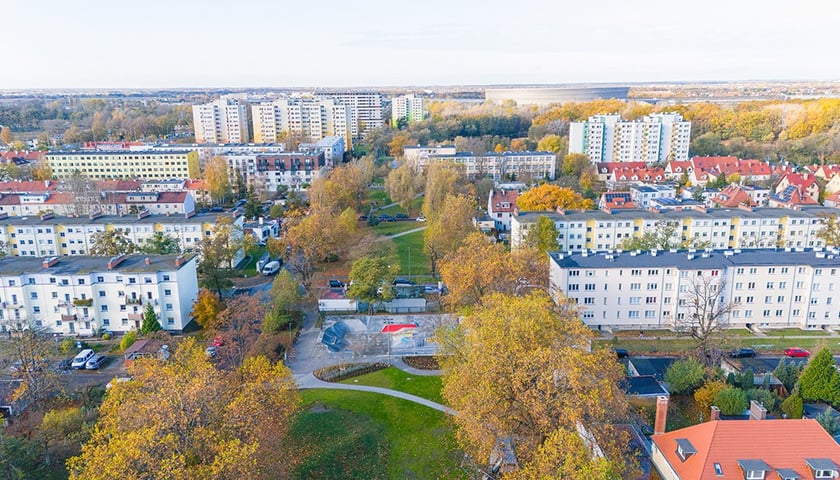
(779, 443)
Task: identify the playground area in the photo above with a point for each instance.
(379, 335)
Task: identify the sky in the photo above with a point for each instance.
(353, 43)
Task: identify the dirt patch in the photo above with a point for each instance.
(422, 362)
(319, 407)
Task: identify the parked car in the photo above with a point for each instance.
(401, 217)
(363, 218)
(796, 352)
(336, 284)
(620, 352)
(218, 341)
(271, 268)
(210, 352)
(65, 364)
(386, 218)
(81, 359)
(403, 282)
(742, 353)
(95, 362)
(421, 218)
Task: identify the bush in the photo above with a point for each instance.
(829, 422)
(128, 340)
(684, 376)
(337, 373)
(748, 379)
(765, 397)
(731, 401)
(422, 362)
(792, 406)
(67, 345)
(106, 336)
(705, 395)
(271, 346)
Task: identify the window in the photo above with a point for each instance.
(779, 313)
(751, 286)
(589, 301)
(166, 278)
(768, 299)
(100, 279)
(652, 286)
(771, 271)
(718, 470)
(769, 285)
(633, 314)
(106, 322)
(739, 286)
(589, 287)
(132, 280)
(169, 307)
(749, 299)
(755, 475)
(33, 295)
(782, 285)
(81, 281)
(167, 292)
(574, 287)
(748, 313)
(170, 320)
(650, 300)
(102, 293)
(635, 286)
(36, 309)
(103, 308)
(650, 313)
(780, 299)
(635, 300)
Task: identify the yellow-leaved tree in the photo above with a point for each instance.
(183, 418)
(548, 197)
(519, 368)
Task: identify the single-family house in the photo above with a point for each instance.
(500, 207)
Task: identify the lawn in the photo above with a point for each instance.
(793, 332)
(376, 197)
(416, 205)
(427, 387)
(250, 268)
(367, 435)
(768, 344)
(390, 228)
(410, 251)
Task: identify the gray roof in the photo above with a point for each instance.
(701, 261)
(686, 446)
(711, 214)
(821, 464)
(74, 265)
(751, 465)
(115, 152)
(644, 386)
(114, 219)
(788, 474)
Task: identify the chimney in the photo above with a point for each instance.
(261, 220)
(715, 414)
(49, 262)
(757, 411)
(661, 415)
(148, 261)
(179, 260)
(114, 261)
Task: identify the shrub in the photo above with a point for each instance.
(792, 406)
(748, 379)
(829, 422)
(128, 340)
(787, 373)
(67, 345)
(684, 376)
(106, 336)
(705, 395)
(765, 397)
(337, 373)
(731, 401)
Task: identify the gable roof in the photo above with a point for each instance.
(726, 442)
(733, 196)
(615, 200)
(500, 197)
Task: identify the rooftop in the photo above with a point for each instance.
(711, 214)
(700, 260)
(75, 265)
(114, 220)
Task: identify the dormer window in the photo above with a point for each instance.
(787, 474)
(823, 468)
(685, 449)
(754, 469)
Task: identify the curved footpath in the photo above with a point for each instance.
(308, 381)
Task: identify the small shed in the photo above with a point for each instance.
(146, 348)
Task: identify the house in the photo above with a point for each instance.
(615, 201)
(733, 196)
(755, 449)
(797, 189)
(825, 172)
(146, 348)
(500, 207)
(21, 157)
(629, 174)
(645, 386)
(605, 169)
(643, 194)
(674, 170)
(262, 230)
(708, 169)
(649, 367)
(484, 223)
(833, 200)
(833, 184)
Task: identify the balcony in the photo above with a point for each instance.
(133, 301)
(82, 302)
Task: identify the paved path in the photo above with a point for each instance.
(406, 232)
(308, 381)
(399, 363)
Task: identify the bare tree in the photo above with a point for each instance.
(704, 314)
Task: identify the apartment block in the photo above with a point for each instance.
(365, 109)
(659, 137)
(147, 164)
(222, 121)
(768, 288)
(717, 228)
(332, 147)
(408, 108)
(505, 166)
(418, 157)
(85, 295)
(56, 236)
(308, 118)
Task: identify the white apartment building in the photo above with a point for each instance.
(365, 109)
(86, 295)
(418, 157)
(505, 166)
(408, 108)
(309, 118)
(653, 290)
(659, 137)
(50, 236)
(265, 172)
(332, 147)
(719, 228)
(137, 164)
(643, 194)
(222, 121)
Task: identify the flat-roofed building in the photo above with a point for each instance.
(133, 164)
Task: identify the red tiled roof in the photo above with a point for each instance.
(119, 185)
(10, 200)
(616, 200)
(199, 184)
(729, 165)
(732, 197)
(779, 443)
(609, 167)
(502, 196)
(641, 174)
(31, 186)
(29, 156)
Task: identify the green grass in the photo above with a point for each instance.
(366, 435)
(378, 196)
(412, 245)
(250, 268)
(427, 387)
(761, 344)
(416, 205)
(789, 332)
(390, 228)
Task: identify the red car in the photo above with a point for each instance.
(796, 352)
(218, 342)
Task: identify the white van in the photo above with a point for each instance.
(271, 268)
(82, 358)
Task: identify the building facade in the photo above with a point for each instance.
(308, 118)
(365, 109)
(408, 108)
(147, 164)
(106, 203)
(717, 228)
(505, 166)
(418, 157)
(659, 137)
(636, 290)
(265, 172)
(87, 295)
(332, 147)
(222, 121)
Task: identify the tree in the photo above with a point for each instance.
(703, 315)
(218, 180)
(820, 380)
(548, 197)
(402, 185)
(61, 427)
(664, 236)
(550, 143)
(285, 292)
(574, 164)
(253, 209)
(830, 230)
(150, 321)
(521, 368)
(371, 280)
(240, 326)
(829, 421)
(731, 401)
(793, 405)
(788, 373)
(110, 243)
(442, 179)
(20, 458)
(445, 231)
(767, 398)
(705, 395)
(684, 376)
(41, 171)
(30, 349)
(342, 188)
(747, 379)
(543, 236)
(217, 253)
(6, 135)
(206, 309)
(162, 244)
(215, 424)
(316, 238)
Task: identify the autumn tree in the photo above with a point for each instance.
(548, 197)
(342, 188)
(442, 179)
(445, 231)
(29, 349)
(542, 236)
(161, 244)
(402, 185)
(151, 323)
(218, 180)
(704, 315)
(206, 309)
(705, 395)
(286, 303)
(830, 230)
(109, 243)
(215, 424)
(574, 164)
(6, 135)
(61, 430)
(41, 171)
(316, 238)
(239, 326)
(550, 143)
(520, 368)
